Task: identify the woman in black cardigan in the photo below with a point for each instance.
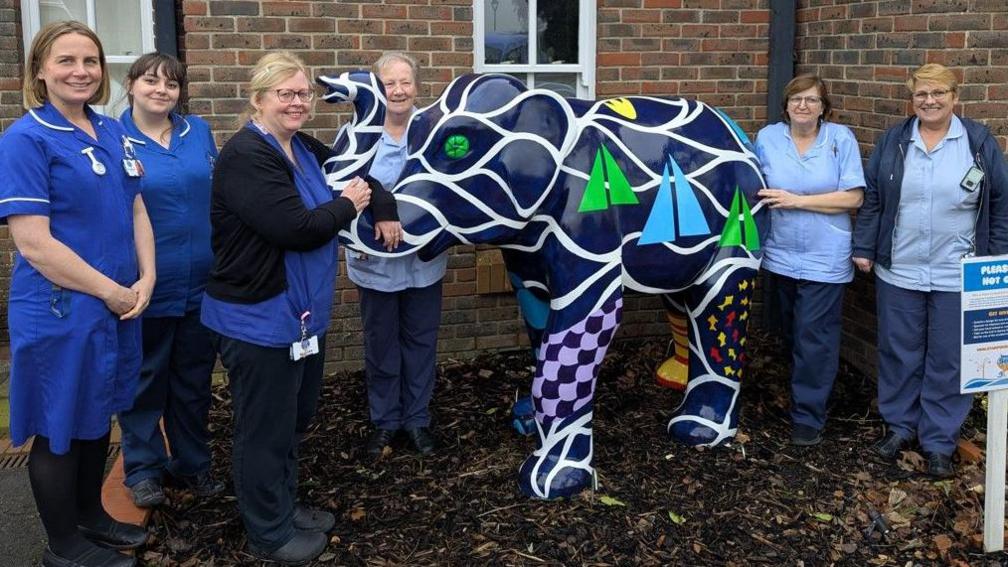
(270, 295)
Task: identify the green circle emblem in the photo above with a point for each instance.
(456, 146)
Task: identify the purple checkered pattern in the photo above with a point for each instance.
(569, 361)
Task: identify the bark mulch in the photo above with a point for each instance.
(757, 501)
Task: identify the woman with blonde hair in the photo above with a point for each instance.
(269, 297)
(83, 275)
(937, 192)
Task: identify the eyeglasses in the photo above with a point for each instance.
(937, 94)
(287, 95)
(808, 100)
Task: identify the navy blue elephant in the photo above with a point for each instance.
(588, 199)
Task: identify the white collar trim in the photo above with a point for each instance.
(47, 124)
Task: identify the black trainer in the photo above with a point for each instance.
(940, 466)
(313, 520)
(147, 493)
(301, 548)
(422, 440)
(805, 436)
(889, 447)
(203, 484)
(115, 535)
(379, 439)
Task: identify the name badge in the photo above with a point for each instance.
(972, 179)
(133, 167)
(305, 348)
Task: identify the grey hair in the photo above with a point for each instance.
(396, 56)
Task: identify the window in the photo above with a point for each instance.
(546, 43)
(126, 28)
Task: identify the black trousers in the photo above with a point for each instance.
(274, 400)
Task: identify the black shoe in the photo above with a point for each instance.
(147, 493)
(312, 520)
(300, 549)
(203, 484)
(889, 447)
(422, 440)
(805, 436)
(940, 466)
(115, 535)
(379, 439)
(93, 556)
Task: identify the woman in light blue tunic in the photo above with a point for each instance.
(814, 170)
(83, 274)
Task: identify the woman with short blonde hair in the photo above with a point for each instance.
(937, 192)
(269, 298)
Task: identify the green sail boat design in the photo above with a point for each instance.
(606, 185)
(739, 221)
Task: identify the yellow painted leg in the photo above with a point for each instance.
(674, 372)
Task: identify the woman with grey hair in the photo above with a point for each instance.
(400, 297)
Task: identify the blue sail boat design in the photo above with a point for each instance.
(668, 213)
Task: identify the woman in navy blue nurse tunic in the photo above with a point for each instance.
(83, 274)
(178, 154)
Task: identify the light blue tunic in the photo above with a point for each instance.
(807, 245)
(937, 217)
(73, 362)
(392, 274)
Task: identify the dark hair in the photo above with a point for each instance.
(803, 83)
(155, 63)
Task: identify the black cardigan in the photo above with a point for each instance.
(256, 214)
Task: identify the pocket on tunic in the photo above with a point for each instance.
(969, 200)
(59, 302)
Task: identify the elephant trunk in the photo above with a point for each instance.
(357, 141)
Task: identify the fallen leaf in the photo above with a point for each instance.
(823, 517)
(610, 501)
(357, 514)
(943, 543)
(676, 518)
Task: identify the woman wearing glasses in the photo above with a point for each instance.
(935, 193)
(813, 170)
(269, 298)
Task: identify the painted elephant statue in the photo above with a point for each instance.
(588, 200)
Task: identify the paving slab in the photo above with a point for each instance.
(22, 539)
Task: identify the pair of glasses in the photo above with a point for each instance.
(937, 94)
(287, 95)
(808, 100)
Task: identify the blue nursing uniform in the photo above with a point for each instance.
(311, 277)
(73, 362)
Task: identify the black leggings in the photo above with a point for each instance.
(67, 489)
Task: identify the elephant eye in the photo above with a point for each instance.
(456, 146)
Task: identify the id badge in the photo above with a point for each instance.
(305, 348)
(133, 167)
(972, 179)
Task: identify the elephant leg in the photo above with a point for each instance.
(563, 392)
(718, 311)
(673, 372)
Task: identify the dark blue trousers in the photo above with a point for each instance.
(178, 359)
(400, 353)
(919, 358)
(811, 324)
(274, 400)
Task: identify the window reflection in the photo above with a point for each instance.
(557, 31)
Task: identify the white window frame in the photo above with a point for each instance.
(31, 23)
(585, 68)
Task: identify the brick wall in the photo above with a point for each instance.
(11, 58)
(866, 50)
(712, 50)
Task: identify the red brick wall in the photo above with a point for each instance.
(712, 50)
(11, 58)
(866, 50)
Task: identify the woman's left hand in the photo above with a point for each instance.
(143, 287)
(780, 199)
(389, 232)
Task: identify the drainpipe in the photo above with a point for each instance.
(782, 54)
(165, 32)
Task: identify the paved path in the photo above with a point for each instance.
(21, 537)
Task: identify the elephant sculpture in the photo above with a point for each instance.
(587, 200)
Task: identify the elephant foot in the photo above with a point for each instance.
(708, 415)
(561, 466)
(523, 416)
(672, 373)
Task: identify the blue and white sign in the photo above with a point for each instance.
(984, 324)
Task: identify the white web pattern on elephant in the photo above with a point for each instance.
(588, 199)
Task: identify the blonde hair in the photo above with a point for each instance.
(933, 73)
(395, 56)
(33, 89)
(269, 71)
